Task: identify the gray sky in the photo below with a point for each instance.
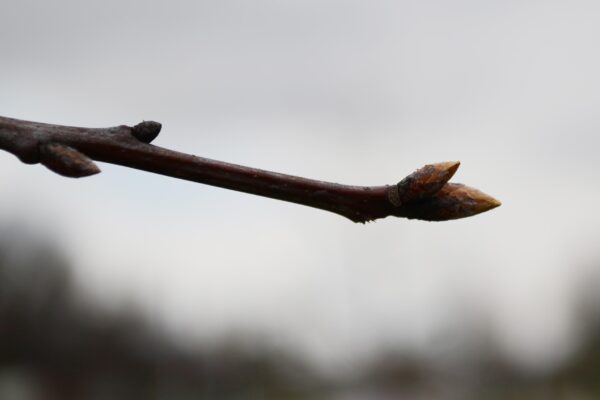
(350, 91)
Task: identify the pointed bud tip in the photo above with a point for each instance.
(491, 204)
(468, 200)
(423, 183)
(494, 203)
(478, 201)
(453, 201)
(450, 166)
(440, 172)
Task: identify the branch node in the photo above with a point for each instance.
(67, 161)
(146, 131)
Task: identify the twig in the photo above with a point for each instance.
(69, 151)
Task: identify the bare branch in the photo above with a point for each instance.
(69, 151)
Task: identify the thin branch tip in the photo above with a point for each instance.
(425, 194)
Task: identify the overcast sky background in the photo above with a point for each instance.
(359, 92)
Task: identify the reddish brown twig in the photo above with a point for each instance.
(69, 151)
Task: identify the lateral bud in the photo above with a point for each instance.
(146, 131)
(67, 161)
(423, 183)
(453, 201)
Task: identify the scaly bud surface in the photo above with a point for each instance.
(453, 201)
(423, 183)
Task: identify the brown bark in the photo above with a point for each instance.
(69, 151)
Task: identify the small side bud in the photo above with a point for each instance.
(423, 183)
(67, 161)
(146, 131)
(453, 201)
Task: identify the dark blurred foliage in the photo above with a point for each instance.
(56, 345)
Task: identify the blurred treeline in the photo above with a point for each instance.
(56, 345)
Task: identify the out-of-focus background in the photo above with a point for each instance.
(132, 285)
